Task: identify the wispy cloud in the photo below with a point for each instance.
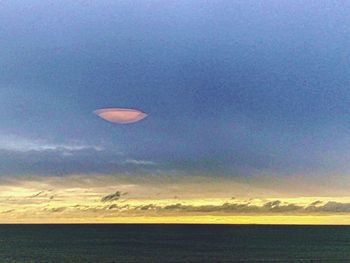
(139, 162)
(16, 143)
(21, 156)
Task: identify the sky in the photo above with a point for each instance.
(247, 103)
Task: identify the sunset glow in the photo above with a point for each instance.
(121, 116)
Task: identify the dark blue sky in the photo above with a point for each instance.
(230, 87)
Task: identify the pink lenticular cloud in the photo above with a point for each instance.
(120, 115)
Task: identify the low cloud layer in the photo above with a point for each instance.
(270, 207)
(155, 208)
(111, 198)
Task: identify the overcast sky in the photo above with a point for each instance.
(232, 88)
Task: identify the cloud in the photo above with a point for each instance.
(120, 116)
(277, 206)
(57, 209)
(37, 194)
(112, 197)
(223, 208)
(270, 207)
(80, 197)
(8, 211)
(139, 162)
(21, 156)
(61, 161)
(318, 202)
(20, 144)
(114, 206)
(148, 207)
(333, 207)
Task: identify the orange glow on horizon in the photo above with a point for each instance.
(162, 199)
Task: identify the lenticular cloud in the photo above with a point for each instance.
(120, 116)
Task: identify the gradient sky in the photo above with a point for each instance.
(243, 91)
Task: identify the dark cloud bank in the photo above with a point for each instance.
(270, 207)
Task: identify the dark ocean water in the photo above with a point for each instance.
(173, 243)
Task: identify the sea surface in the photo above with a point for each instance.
(174, 243)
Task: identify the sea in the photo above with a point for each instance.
(173, 243)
